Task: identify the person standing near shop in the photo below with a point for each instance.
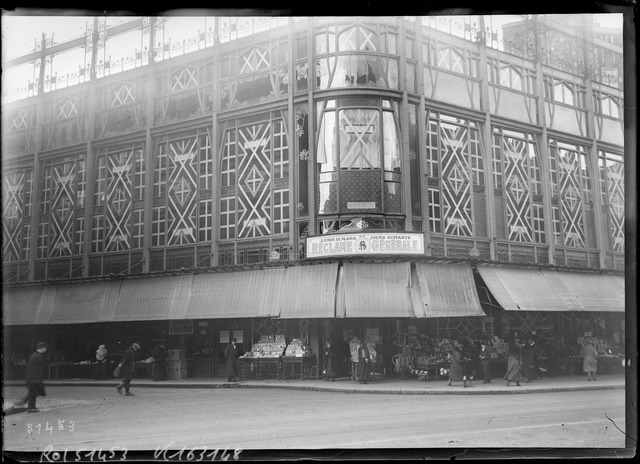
(160, 366)
(364, 360)
(231, 354)
(590, 362)
(329, 366)
(455, 368)
(128, 368)
(527, 362)
(485, 361)
(34, 377)
(513, 364)
(101, 359)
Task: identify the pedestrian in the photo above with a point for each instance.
(590, 362)
(160, 365)
(514, 373)
(455, 368)
(551, 353)
(34, 377)
(468, 367)
(538, 360)
(527, 362)
(101, 366)
(485, 360)
(230, 354)
(128, 368)
(364, 361)
(329, 367)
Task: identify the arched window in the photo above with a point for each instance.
(509, 77)
(563, 93)
(609, 107)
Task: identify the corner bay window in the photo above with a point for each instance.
(358, 156)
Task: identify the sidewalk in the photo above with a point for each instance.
(410, 386)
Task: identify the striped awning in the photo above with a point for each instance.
(447, 290)
(21, 304)
(375, 290)
(309, 291)
(239, 294)
(582, 291)
(520, 289)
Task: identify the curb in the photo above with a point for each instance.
(344, 390)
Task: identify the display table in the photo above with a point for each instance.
(297, 366)
(260, 368)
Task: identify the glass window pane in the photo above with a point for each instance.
(391, 143)
(326, 142)
(359, 139)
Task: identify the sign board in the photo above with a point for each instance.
(224, 336)
(362, 244)
(237, 334)
(180, 327)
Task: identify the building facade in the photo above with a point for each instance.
(139, 194)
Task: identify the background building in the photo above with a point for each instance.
(169, 195)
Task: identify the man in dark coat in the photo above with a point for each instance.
(230, 354)
(329, 366)
(160, 367)
(364, 360)
(34, 377)
(128, 368)
(485, 361)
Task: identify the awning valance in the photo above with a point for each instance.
(582, 291)
(79, 303)
(375, 290)
(518, 289)
(309, 291)
(223, 295)
(447, 290)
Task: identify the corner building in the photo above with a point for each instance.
(170, 196)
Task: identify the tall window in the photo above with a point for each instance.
(569, 173)
(515, 154)
(435, 219)
(359, 157)
(454, 150)
(255, 165)
(611, 167)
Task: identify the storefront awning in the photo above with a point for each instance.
(152, 299)
(79, 303)
(447, 290)
(309, 291)
(235, 294)
(521, 289)
(21, 304)
(375, 290)
(583, 291)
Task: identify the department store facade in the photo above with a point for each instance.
(171, 197)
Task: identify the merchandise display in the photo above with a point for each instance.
(297, 348)
(269, 346)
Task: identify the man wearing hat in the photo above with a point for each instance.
(35, 376)
(127, 367)
(230, 354)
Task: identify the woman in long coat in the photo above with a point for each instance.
(513, 364)
(590, 362)
(329, 367)
(455, 369)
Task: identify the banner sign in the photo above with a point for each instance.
(180, 327)
(371, 243)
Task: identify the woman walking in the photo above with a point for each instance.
(590, 362)
(455, 369)
(513, 365)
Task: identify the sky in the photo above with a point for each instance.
(19, 34)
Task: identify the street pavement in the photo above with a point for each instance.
(409, 386)
(252, 415)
